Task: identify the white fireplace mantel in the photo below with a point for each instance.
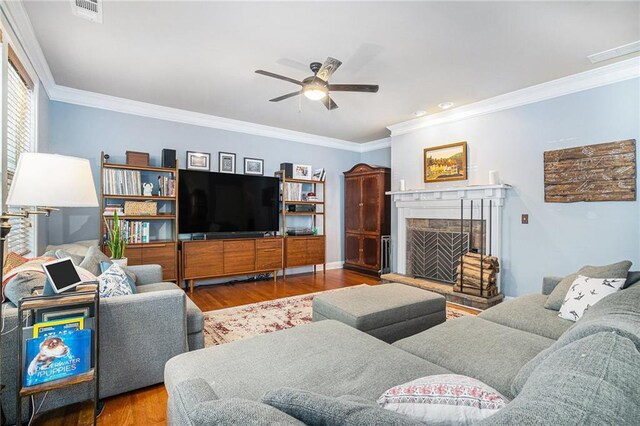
(449, 203)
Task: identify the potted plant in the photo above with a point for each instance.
(115, 243)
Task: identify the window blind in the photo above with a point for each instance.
(19, 140)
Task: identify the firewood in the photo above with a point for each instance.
(486, 258)
(472, 271)
(492, 291)
(474, 282)
(476, 262)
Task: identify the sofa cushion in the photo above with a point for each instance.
(114, 282)
(22, 285)
(593, 381)
(318, 410)
(585, 293)
(91, 261)
(195, 317)
(444, 400)
(131, 277)
(615, 270)
(78, 247)
(490, 352)
(75, 258)
(326, 357)
(618, 312)
(527, 313)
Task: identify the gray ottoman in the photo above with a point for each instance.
(389, 312)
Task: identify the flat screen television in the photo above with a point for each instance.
(212, 202)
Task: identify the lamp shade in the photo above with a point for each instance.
(51, 180)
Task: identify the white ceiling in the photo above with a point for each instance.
(200, 56)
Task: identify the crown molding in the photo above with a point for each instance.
(143, 109)
(374, 145)
(21, 25)
(602, 76)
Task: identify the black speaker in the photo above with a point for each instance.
(288, 169)
(169, 158)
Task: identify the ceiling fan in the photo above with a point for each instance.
(317, 87)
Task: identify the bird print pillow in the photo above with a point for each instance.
(586, 292)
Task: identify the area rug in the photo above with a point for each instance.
(240, 322)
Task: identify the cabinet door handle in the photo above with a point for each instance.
(147, 245)
(267, 250)
(360, 204)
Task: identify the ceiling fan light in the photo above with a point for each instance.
(315, 93)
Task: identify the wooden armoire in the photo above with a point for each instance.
(367, 216)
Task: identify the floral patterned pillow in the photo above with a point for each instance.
(114, 282)
(444, 399)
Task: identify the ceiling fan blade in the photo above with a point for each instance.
(283, 97)
(328, 102)
(369, 88)
(279, 77)
(328, 68)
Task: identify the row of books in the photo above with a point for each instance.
(122, 182)
(112, 208)
(166, 186)
(132, 231)
(293, 191)
(66, 353)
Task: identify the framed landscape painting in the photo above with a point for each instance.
(445, 162)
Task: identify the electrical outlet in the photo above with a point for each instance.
(525, 219)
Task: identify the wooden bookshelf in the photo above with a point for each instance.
(161, 249)
(304, 250)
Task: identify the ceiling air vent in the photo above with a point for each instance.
(87, 9)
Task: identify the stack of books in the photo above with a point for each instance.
(293, 191)
(122, 182)
(133, 231)
(166, 186)
(112, 208)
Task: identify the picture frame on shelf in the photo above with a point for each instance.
(198, 160)
(445, 162)
(301, 171)
(318, 175)
(253, 166)
(226, 162)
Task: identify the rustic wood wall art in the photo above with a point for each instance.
(602, 172)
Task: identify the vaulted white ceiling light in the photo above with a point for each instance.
(445, 105)
(616, 52)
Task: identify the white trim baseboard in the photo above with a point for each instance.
(609, 74)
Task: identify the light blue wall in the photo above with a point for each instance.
(84, 132)
(560, 238)
(379, 157)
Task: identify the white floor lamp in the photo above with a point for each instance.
(41, 184)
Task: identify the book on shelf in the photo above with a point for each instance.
(122, 182)
(318, 175)
(132, 231)
(166, 186)
(59, 349)
(111, 208)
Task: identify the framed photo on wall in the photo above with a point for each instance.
(253, 166)
(198, 160)
(445, 162)
(226, 162)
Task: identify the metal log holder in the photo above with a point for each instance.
(483, 238)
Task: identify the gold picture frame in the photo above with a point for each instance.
(445, 162)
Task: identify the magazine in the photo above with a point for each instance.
(57, 356)
(58, 327)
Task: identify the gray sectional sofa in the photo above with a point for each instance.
(553, 370)
(139, 333)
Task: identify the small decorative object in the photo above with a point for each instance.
(137, 158)
(287, 168)
(318, 175)
(140, 208)
(147, 189)
(301, 171)
(253, 166)
(226, 162)
(198, 160)
(445, 162)
(403, 185)
(602, 172)
(106, 158)
(116, 243)
(493, 177)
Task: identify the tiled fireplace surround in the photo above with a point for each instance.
(439, 210)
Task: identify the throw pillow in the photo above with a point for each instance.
(76, 259)
(34, 264)
(114, 282)
(22, 285)
(131, 277)
(79, 247)
(586, 292)
(632, 278)
(13, 260)
(318, 410)
(91, 261)
(615, 270)
(444, 399)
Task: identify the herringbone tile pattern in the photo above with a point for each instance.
(435, 255)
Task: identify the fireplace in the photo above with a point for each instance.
(428, 229)
(434, 246)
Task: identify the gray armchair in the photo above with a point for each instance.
(138, 335)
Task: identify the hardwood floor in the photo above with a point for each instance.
(148, 406)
